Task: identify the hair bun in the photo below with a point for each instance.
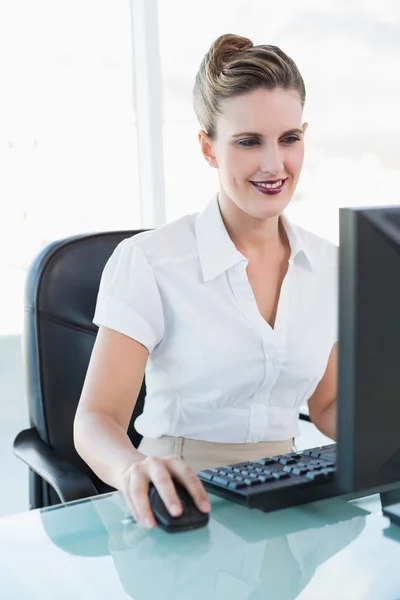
(223, 49)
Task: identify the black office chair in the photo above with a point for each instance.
(60, 296)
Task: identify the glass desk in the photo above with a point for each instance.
(92, 550)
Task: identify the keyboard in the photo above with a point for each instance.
(277, 481)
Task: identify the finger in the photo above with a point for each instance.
(131, 507)
(128, 501)
(139, 498)
(187, 477)
(124, 489)
(161, 477)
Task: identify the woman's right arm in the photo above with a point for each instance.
(112, 384)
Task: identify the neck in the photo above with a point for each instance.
(252, 236)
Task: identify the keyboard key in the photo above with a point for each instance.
(315, 454)
(237, 485)
(220, 480)
(328, 473)
(206, 475)
(325, 471)
(323, 452)
(280, 475)
(315, 476)
(265, 461)
(245, 472)
(249, 482)
(272, 471)
(288, 468)
(299, 471)
(265, 478)
(329, 456)
(307, 452)
(288, 461)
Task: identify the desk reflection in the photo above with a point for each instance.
(242, 554)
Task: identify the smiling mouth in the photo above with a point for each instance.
(269, 187)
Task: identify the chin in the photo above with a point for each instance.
(270, 208)
(260, 207)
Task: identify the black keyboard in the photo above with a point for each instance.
(277, 481)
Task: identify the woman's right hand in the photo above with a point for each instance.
(134, 485)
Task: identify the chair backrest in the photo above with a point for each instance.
(60, 297)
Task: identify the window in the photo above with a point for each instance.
(67, 130)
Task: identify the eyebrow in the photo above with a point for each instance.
(253, 134)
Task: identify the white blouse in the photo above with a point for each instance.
(216, 370)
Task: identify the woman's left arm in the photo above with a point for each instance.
(322, 404)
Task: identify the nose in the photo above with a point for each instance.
(272, 160)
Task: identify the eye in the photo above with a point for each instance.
(291, 139)
(248, 142)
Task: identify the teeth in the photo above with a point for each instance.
(270, 186)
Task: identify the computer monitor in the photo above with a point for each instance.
(368, 449)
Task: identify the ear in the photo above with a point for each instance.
(304, 127)
(206, 145)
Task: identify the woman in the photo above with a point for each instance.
(232, 312)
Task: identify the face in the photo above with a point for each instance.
(258, 150)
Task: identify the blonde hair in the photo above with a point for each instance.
(234, 66)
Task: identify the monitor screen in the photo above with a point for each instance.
(368, 452)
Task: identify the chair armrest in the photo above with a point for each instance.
(69, 482)
(304, 417)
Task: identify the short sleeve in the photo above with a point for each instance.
(128, 300)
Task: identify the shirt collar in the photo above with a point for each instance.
(299, 248)
(217, 252)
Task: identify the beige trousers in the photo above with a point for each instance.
(206, 455)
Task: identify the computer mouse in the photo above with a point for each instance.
(190, 518)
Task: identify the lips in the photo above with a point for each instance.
(269, 187)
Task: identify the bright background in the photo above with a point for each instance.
(70, 161)
(68, 151)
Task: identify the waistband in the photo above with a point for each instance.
(257, 423)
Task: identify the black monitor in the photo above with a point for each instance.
(368, 450)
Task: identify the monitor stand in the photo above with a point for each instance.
(390, 501)
(390, 497)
